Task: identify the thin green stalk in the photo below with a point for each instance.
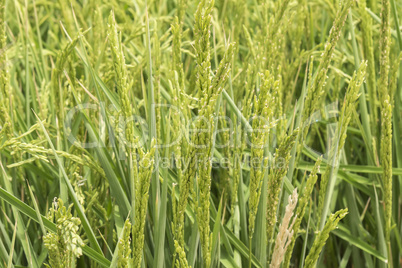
(155, 195)
(328, 179)
(386, 117)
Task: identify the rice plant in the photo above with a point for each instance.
(226, 133)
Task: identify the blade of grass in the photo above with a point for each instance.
(343, 233)
(366, 169)
(38, 215)
(10, 258)
(260, 230)
(21, 227)
(380, 232)
(305, 240)
(215, 233)
(161, 224)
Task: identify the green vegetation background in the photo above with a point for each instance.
(324, 76)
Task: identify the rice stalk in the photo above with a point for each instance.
(124, 246)
(5, 90)
(368, 49)
(263, 109)
(329, 176)
(65, 245)
(301, 209)
(276, 176)
(181, 261)
(322, 236)
(142, 178)
(386, 115)
(316, 86)
(124, 82)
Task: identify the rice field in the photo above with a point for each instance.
(182, 133)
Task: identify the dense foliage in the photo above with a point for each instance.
(182, 133)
